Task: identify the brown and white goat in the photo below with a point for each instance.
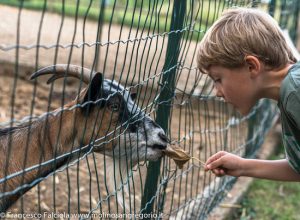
(103, 118)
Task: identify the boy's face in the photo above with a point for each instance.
(236, 86)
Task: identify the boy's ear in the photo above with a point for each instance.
(254, 65)
(94, 91)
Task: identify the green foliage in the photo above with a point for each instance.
(270, 200)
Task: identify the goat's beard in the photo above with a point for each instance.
(121, 174)
(120, 167)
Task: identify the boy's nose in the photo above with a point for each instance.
(219, 93)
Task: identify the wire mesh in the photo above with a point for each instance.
(130, 42)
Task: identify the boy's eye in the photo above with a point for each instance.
(217, 80)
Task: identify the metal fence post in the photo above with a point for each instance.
(295, 23)
(272, 7)
(165, 98)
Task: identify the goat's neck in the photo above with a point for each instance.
(51, 137)
(28, 146)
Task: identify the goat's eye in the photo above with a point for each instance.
(114, 107)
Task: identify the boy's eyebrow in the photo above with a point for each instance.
(213, 74)
(210, 74)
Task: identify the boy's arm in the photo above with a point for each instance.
(223, 163)
(270, 169)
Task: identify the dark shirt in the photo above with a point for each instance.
(289, 105)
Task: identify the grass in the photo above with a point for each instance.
(270, 200)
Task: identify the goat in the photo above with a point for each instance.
(103, 106)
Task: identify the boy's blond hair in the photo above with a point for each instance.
(240, 32)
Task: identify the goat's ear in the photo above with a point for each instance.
(94, 91)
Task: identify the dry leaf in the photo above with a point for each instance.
(177, 154)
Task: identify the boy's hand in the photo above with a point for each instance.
(224, 163)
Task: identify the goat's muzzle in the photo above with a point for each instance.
(159, 146)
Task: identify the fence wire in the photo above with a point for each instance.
(68, 148)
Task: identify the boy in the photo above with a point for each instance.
(246, 55)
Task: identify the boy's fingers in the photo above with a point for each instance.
(218, 172)
(215, 164)
(215, 157)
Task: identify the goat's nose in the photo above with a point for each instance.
(159, 146)
(163, 137)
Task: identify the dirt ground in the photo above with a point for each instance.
(83, 186)
(127, 55)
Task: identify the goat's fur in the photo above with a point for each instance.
(105, 106)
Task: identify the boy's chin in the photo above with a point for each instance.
(243, 111)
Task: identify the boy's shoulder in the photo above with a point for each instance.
(289, 100)
(291, 83)
(289, 105)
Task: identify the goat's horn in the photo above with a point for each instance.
(65, 70)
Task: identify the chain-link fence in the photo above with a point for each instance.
(68, 150)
